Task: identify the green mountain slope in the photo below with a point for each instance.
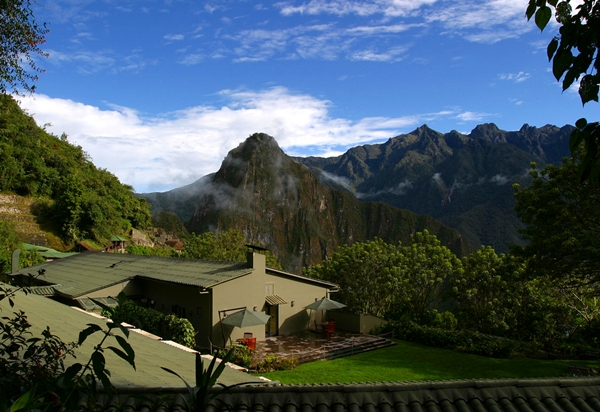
(74, 198)
(465, 181)
(281, 204)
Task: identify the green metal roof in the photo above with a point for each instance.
(115, 238)
(89, 272)
(150, 354)
(47, 252)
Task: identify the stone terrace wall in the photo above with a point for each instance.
(17, 210)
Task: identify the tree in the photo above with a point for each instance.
(387, 280)
(574, 55)
(425, 266)
(20, 40)
(8, 243)
(368, 274)
(487, 292)
(221, 246)
(563, 224)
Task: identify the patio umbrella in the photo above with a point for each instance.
(245, 318)
(325, 304)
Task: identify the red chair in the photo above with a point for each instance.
(330, 328)
(251, 343)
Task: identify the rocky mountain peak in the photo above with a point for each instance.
(486, 131)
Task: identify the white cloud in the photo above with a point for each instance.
(471, 116)
(86, 61)
(375, 56)
(516, 77)
(159, 153)
(174, 37)
(487, 21)
(391, 8)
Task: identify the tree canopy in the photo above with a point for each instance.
(20, 40)
(89, 203)
(563, 224)
(390, 280)
(574, 55)
(221, 246)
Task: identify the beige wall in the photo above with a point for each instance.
(351, 322)
(246, 291)
(296, 318)
(250, 291)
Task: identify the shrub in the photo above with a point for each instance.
(272, 363)
(241, 355)
(464, 341)
(168, 327)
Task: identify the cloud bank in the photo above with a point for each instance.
(168, 151)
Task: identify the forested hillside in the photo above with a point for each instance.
(74, 199)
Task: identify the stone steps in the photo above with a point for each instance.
(348, 347)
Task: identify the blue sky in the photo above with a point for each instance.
(158, 92)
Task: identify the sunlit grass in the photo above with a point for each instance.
(413, 362)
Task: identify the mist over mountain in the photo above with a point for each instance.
(181, 201)
(303, 208)
(465, 181)
(280, 204)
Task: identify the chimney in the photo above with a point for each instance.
(256, 261)
(15, 260)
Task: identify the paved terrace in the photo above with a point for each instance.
(310, 346)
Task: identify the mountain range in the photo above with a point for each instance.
(280, 204)
(458, 186)
(465, 181)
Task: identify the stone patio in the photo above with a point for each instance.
(310, 346)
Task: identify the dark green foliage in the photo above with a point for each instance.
(157, 250)
(368, 274)
(88, 202)
(563, 223)
(206, 379)
(168, 327)
(222, 246)
(574, 55)
(9, 242)
(272, 363)
(241, 355)
(388, 280)
(463, 341)
(20, 40)
(487, 293)
(169, 221)
(32, 368)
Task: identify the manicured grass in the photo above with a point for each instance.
(413, 362)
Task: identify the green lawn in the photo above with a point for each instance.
(413, 362)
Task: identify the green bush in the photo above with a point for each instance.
(272, 363)
(241, 356)
(463, 341)
(168, 327)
